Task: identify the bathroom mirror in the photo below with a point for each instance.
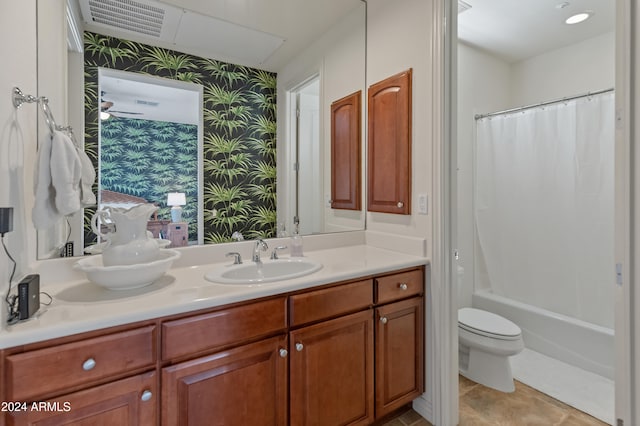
(323, 39)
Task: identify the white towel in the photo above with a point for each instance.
(65, 173)
(87, 178)
(57, 182)
(44, 213)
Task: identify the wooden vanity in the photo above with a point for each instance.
(345, 353)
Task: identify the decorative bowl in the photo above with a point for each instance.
(126, 277)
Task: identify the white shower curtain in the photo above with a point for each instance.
(544, 206)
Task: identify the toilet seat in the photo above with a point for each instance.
(487, 324)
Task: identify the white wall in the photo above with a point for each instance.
(17, 132)
(483, 86)
(573, 70)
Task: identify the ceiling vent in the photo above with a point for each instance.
(145, 18)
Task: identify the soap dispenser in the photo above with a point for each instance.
(296, 244)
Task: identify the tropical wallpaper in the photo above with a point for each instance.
(239, 115)
(149, 159)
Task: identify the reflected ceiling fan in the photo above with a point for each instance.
(106, 110)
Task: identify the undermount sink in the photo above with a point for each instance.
(265, 272)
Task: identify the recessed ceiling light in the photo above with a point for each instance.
(579, 17)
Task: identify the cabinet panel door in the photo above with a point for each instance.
(399, 354)
(241, 386)
(345, 152)
(331, 368)
(126, 402)
(389, 147)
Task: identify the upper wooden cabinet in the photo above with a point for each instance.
(389, 147)
(345, 152)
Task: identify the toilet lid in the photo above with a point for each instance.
(483, 322)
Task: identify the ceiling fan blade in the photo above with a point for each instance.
(126, 112)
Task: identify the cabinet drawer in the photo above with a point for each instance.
(330, 302)
(399, 286)
(199, 333)
(51, 370)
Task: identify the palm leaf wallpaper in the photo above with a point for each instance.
(149, 159)
(239, 115)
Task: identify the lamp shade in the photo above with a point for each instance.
(176, 199)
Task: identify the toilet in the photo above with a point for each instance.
(485, 343)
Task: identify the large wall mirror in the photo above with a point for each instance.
(265, 76)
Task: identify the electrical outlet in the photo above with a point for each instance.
(6, 220)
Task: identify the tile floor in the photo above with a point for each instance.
(482, 406)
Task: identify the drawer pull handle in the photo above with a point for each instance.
(403, 286)
(89, 364)
(384, 320)
(146, 395)
(283, 353)
(400, 204)
(299, 347)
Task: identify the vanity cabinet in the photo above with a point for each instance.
(331, 361)
(399, 340)
(84, 379)
(246, 385)
(346, 353)
(242, 379)
(131, 401)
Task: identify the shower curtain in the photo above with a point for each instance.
(544, 206)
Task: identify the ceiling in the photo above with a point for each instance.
(265, 34)
(514, 30)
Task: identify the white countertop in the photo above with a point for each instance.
(80, 306)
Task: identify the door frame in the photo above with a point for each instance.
(627, 206)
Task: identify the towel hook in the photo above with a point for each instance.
(20, 98)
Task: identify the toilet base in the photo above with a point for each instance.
(493, 371)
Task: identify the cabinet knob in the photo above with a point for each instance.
(89, 364)
(146, 395)
(383, 320)
(299, 347)
(400, 204)
(403, 286)
(283, 353)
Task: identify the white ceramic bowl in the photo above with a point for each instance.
(125, 277)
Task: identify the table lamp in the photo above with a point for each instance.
(176, 200)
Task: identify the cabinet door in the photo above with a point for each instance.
(331, 368)
(241, 386)
(126, 402)
(345, 152)
(389, 147)
(399, 354)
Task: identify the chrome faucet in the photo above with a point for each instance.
(260, 245)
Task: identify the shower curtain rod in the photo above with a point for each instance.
(556, 101)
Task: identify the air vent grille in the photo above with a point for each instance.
(147, 103)
(128, 15)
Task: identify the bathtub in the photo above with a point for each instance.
(576, 342)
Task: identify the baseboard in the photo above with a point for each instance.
(424, 408)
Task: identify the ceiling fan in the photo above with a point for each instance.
(106, 111)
